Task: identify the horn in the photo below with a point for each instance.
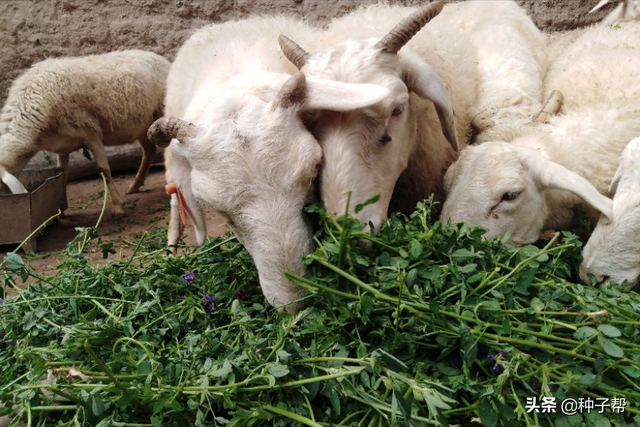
(551, 108)
(163, 130)
(408, 27)
(294, 53)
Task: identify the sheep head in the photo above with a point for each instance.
(243, 150)
(503, 187)
(611, 254)
(366, 150)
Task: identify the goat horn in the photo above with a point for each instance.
(292, 50)
(163, 130)
(409, 27)
(551, 108)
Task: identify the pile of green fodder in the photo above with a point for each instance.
(425, 325)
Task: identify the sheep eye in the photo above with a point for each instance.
(510, 195)
(398, 110)
(384, 139)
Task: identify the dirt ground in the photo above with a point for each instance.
(147, 210)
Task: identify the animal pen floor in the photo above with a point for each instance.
(145, 211)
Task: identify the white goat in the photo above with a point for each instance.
(512, 62)
(65, 104)
(408, 139)
(240, 145)
(612, 254)
(537, 182)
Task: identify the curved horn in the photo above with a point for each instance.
(551, 108)
(294, 53)
(163, 130)
(408, 27)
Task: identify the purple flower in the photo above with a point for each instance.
(208, 303)
(189, 276)
(179, 298)
(1, 301)
(243, 294)
(498, 366)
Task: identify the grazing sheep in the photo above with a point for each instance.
(240, 146)
(538, 182)
(612, 254)
(408, 139)
(65, 104)
(512, 62)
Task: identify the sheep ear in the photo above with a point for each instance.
(548, 174)
(293, 92)
(423, 80)
(339, 96)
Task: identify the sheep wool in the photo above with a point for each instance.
(65, 104)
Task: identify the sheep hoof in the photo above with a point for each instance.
(134, 189)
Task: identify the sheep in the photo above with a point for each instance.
(238, 144)
(408, 139)
(538, 182)
(611, 253)
(512, 61)
(65, 104)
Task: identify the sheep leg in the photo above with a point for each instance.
(96, 147)
(148, 153)
(63, 162)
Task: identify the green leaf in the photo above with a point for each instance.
(590, 379)
(609, 330)
(277, 370)
(415, 249)
(367, 202)
(97, 406)
(633, 372)
(596, 419)
(13, 259)
(223, 371)
(584, 333)
(537, 304)
(468, 345)
(609, 347)
(462, 255)
(488, 414)
(571, 421)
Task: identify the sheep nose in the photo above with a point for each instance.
(585, 276)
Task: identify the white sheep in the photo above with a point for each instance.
(401, 148)
(611, 253)
(536, 183)
(240, 146)
(65, 104)
(409, 138)
(511, 60)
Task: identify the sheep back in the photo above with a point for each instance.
(58, 102)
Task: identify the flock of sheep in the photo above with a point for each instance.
(469, 101)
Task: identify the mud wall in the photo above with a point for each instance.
(32, 30)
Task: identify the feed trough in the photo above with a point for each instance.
(22, 214)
